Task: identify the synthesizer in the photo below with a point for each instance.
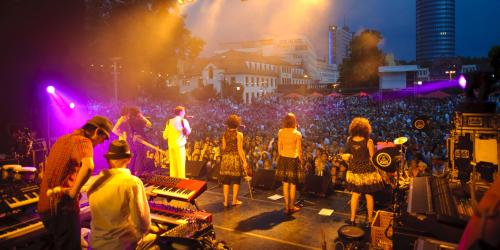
(181, 214)
(18, 196)
(175, 188)
(17, 229)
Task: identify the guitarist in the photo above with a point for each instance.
(176, 133)
(130, 126)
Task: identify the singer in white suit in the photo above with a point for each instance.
(176, 133)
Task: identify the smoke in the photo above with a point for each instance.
(220, 21)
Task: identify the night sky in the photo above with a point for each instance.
(477, 22)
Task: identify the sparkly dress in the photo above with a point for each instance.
(288, 168)
(362, 177)
(231, 165)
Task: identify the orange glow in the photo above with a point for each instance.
(220, 21)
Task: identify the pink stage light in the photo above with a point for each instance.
(51, 89)
(72, 105)
(462, 81)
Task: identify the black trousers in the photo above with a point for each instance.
(63, 230)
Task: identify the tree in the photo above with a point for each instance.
(149, 36)
(360, 70)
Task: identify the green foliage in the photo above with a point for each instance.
(147, 36)
(360, 70)
(233, 91)
(204, 93)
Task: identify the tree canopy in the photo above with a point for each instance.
(149, 37)
(360, 69)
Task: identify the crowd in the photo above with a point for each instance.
(323, 123)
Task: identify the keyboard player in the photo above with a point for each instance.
(118, 204)
(69, 165)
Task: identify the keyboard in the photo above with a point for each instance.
(28, 227)
(24, 196)
(175, 188)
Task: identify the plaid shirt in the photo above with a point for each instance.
(63, 164)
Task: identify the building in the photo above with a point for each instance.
(397, 77)
(295, 49)
(252, 73)
(328, 73)
(435, 29)
(339, 40)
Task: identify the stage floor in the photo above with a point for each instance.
(260, 223)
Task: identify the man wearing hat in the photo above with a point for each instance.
(69, 165)
(118, 203)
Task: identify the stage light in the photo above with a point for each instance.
(462, 81)
(419, 83)
(51, 89)
(180, 1)
(72, 105)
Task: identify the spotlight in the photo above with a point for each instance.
(462, 81)
(180, 1)
(72, 105)
(51, 89)
(419, 83)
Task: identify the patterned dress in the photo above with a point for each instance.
(362, 177)
(231, 168)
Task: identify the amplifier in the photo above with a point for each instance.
(477, 121)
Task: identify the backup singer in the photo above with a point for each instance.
(118, 204)
(176, 133)
(128, 127)
(289, 169)
(69, 165)
(233, 163)
(362, 177)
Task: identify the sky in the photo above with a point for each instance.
(216, 21)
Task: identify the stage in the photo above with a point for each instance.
(261, 223)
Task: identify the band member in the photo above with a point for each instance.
(118, 204)
(289, 169)
(362, 177)
(233, 164)
(69, 165)
(176, 133)
(130, 127)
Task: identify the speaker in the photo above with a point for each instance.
(264, 178)
(213, 172)
(317, 184)
(196, 169)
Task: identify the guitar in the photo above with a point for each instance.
(139, 139)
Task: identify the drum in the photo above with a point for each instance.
(382, 145)
(350, 237)
(25, 174)
(386, 159)
(8, 172)
(352, 233)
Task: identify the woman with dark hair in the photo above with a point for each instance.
(290, 157)
(233, 162)
(362, 177)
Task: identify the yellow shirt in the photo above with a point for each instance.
(289, 142)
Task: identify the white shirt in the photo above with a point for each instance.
(173, 131)
(119, 209)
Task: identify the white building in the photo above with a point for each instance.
(295, 50)
(339, 40)
(397, 77)
(328, 73)
(258, 75)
